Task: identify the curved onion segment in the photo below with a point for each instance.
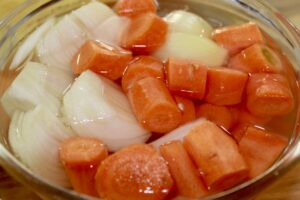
(30, 43)
(192, 47)
(35, 137)
(36, 84)
(96, 107)
(186, 22)
(61, 43)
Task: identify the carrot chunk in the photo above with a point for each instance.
(184, 172)
(142, 67)
(220, 115)
(131, 8)
(145, 33)
(225, 86)
(81, 157)
(153, 105)
(217, 156)
(186, 78)
(187, 108)
(102, 59)
(269, 95)
(238, 131)
(136, 172)
(236, 38)
(260, 149)
(255, 59)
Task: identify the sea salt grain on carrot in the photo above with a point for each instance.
(81, 157)
(131, 8)
(102, 59)
(187, 108)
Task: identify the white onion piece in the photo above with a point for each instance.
(91, 15)
(96, 107)
(110, 31)
(177, 134)
(30, 43)
(35, 137)
(61, 43)
(192, 47)
(36, 84)
(186, 22)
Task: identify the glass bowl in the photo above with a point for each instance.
(24, 19)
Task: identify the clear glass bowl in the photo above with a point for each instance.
(23, 20)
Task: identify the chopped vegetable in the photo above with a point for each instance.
(153, 105)
(35, 137)
(255, 59)
(220, 115)
(238, 37)
(192, 47)
(269, 95)
(96, 107)
(136, 172)
(217, 156)
(187, 108)
(261, 149)
(184, 172)
(246, 117)
(186, 22)
(225, 86)
(81, 157)
(132, 8)
(186, 78)
(142, 67)
(239, 131)
(103, 59)
(146, 33)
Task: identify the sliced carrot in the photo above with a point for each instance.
(184, 172)
(220, 115)
(102, 59)
(257, 58)
(153, 105)
(261, 149)
(238, 131)
(142, 67)
(186, 78)
(269, 95)
(246, 117)
(131, 8)
(225, 86)
(236, 38)
(81, 157)
(187, 108)
(145, 33)
(217, 156)
(136, 172)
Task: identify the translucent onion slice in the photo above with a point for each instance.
(35, 137)
(186, 22)
(110, 31)
(96, 107)
(177, 134)
(61, 43)
(192, 47)
(30, 43)
(36, 84)
(91, 15)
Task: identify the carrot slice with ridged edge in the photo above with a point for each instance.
(184, 172)
(187, 108)
(132, 8)
(153, 105)
(142, 67)
(136, 172)
(146, 33)
(81, 157)
(217, 156)
(102, 59)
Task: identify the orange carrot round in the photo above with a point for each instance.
(146, 33)
(187, 108)
(153, 105)
(131, 8)
(136, 172)
(81, 157)
(220, 115)
(142, 67)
